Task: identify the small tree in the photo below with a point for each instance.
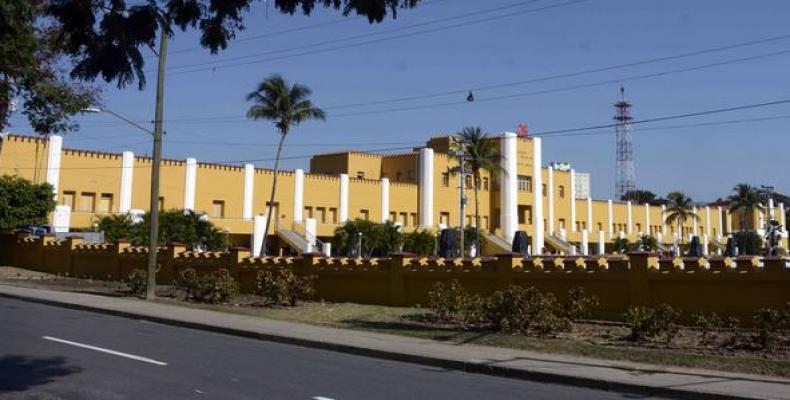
(175, 226)
(745, 199)
(680, 208)
(24, 203)
(421, 242)
(117, 226)
(375, 239)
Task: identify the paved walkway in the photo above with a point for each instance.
(621, 376)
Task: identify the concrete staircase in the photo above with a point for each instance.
(561, 245)
(294, 240)
(493, 243)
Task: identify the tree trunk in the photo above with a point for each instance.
(274, 188)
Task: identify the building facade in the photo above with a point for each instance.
(414, 189)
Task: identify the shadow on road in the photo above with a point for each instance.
(20, 373)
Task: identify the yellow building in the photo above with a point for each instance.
(414, 189)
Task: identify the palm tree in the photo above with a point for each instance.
(481, 154)
(286, 105)
(680, 208)
(746, 199)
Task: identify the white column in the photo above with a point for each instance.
(310, 230)
(663, 220)
(343, 198)
(573, 201)
(190, 183)
(249, 191)
(258, 226)
(127, 174)
(601, 242)
(589, 214)
(659, 237)
(647, 220)
(695, 223)
(508, 188)
(550, 199)
(298, 195)
(609, 217)
(770, 209)
(728, 221)
(385, 199)
(585, 243)
(705, 247)
(630, 219)
(537, 192)
(719, 221)
(426, 186)
(782, 215)
(54, 150)
(707, 221)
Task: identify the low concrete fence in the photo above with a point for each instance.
(731, 287)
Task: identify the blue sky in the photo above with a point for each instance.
(515, 44)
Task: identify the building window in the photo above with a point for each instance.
(413, 219)
(218, 209)
(600, 226)
(308, 213)
(445, 179)
(364, 214)
(321, 214)
(468, 181)
(398, 175)
(562, 191)
(562, 223)
(485, 183)
(360, 174)
(404, 218)
(87, 202)
(544, 190)
(333, 215)
(68, 199)
(525, 215)
(638, 227)
(393, 216)
(524, 183)
(444, 218)
(161, 203)
(485, 221)
(105, 203)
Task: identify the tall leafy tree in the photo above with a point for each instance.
(640, 196)
(680, 208)
(286, 105)
(31, 80)
(24, 203)
(481, 154)
(745, 199)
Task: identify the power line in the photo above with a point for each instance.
(218, 65)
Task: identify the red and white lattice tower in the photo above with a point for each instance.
(625, 180)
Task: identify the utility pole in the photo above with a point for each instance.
(153, 235)
(461, 154)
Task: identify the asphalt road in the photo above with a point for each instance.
(49, 352)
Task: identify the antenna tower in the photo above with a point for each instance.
(625, 180)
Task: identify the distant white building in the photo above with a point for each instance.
(582, 180)
(560, 165)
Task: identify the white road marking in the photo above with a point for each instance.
(321, 398)
(103, 350)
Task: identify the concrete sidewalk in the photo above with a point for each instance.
(614, 375)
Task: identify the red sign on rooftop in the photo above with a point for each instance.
(522, 129)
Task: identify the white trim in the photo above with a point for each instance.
(537, 199)
(601, 242)
(54, 151)
(385, 199)
(629, 228)
(663, 219)
(647, 220)
(190, 183)
(127, 176)
(550, 199)
(589, 215)
(721, 230)
(298, 195)
(425, 162)
(573, 201)
(695, 223)
(343, 198)
(707, 221)
(249, 191)
(610, 217)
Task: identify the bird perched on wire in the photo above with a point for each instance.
(471, 97)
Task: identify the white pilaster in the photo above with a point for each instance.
(537, 192)
(127, 175)
(508, 203)
(310, 230)
(705, 244)
(695, 223)
(385, 199)
(573, 201)
(54, 150)
(343, 198)
(426, 186)
(630, 219)
(550, 199)
(719, 221)
(770, 209)
(782, 215)
(61, 218)
(601, 242)
(189, 184)
(609, 217)
(663, 220)
(249, 191)
(728, 221)
(298, 195)
(589, 215)
(707, 221)
(647, 220)
(585, 243)
(258, 226)
(659, 237)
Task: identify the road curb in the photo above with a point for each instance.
(464, 366)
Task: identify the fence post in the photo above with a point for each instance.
(397, 265)
(641, 264)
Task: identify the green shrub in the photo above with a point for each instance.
(214, 287)
(452, 303)
(421, 242)
(749, 243)
(24, 203)
(707, 324)
(282, 286)
(768, 324)
(579, 305)
(137, 281)
(620, 245)
(646, 322)
(648, 243)
(378, 240)
(521, 310)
